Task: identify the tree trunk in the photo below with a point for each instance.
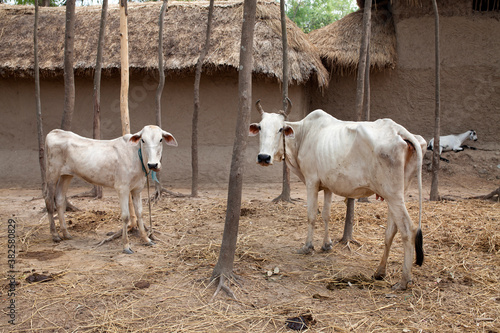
(161, 71)
(360, 90)
(224, 267)
(69, 76)
(285, 192)
(362, 103)
(97, 191)
(434, 195)
(125, 119)
(349, 218)
(41, 138)
(197, 78)
(366, 97)
(161, 85)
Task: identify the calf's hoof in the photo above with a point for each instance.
(327, 246)
(379, 274)
(128, 251)
(150, 243)
(56, 238)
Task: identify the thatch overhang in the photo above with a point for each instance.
(338, 43)
(184, 34)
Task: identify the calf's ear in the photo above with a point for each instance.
(254, 129)
(169, 139)
(288, 131)
(134, 139)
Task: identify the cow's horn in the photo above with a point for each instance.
(259, 107)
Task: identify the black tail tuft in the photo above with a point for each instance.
(419, 247)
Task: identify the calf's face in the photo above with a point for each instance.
(151, 138)
(270, 131)
(473, 135)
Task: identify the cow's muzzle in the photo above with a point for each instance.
(154, 166)
(264, 159)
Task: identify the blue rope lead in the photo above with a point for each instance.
(149, 199)
(154, 177)
(153, 173)
(142, 162)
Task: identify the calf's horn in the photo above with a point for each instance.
(259, 107)
(289, 107)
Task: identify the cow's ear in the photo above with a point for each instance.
(289, 133)
(169, 139)
(254, 129)
(134, 139)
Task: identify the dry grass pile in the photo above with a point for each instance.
(167, 289)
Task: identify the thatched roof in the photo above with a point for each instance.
(338, 43)
(184, 34)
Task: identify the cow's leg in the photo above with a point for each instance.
(325, 214)
(136, 199)
(51, 207)
(312, 211)
(61, 189)
(390, 232)
(408, 231)
(124, 205)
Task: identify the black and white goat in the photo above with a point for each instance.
(453, 142)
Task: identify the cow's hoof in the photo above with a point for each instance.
(379, 276)
(128, 251)
(306, 250)
(327, 246)
(150, 243)
(399, 286)
(56, 239)
(67, 236)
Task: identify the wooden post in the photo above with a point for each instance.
(38, 105)
(124, 68)
(125, 119)
(434, 195)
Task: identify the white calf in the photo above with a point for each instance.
(121, 163)
(453, 142)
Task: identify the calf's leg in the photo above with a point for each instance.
(136, 199)
(124, 205)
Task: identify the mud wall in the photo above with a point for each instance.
(217, 120)
(470, 79)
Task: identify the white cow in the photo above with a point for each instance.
(353, 160)
(121, 163)
(453, 142)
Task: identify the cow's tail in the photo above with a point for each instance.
(419, 239)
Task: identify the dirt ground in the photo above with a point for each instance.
(166, 288)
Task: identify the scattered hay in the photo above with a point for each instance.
(167, 287)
